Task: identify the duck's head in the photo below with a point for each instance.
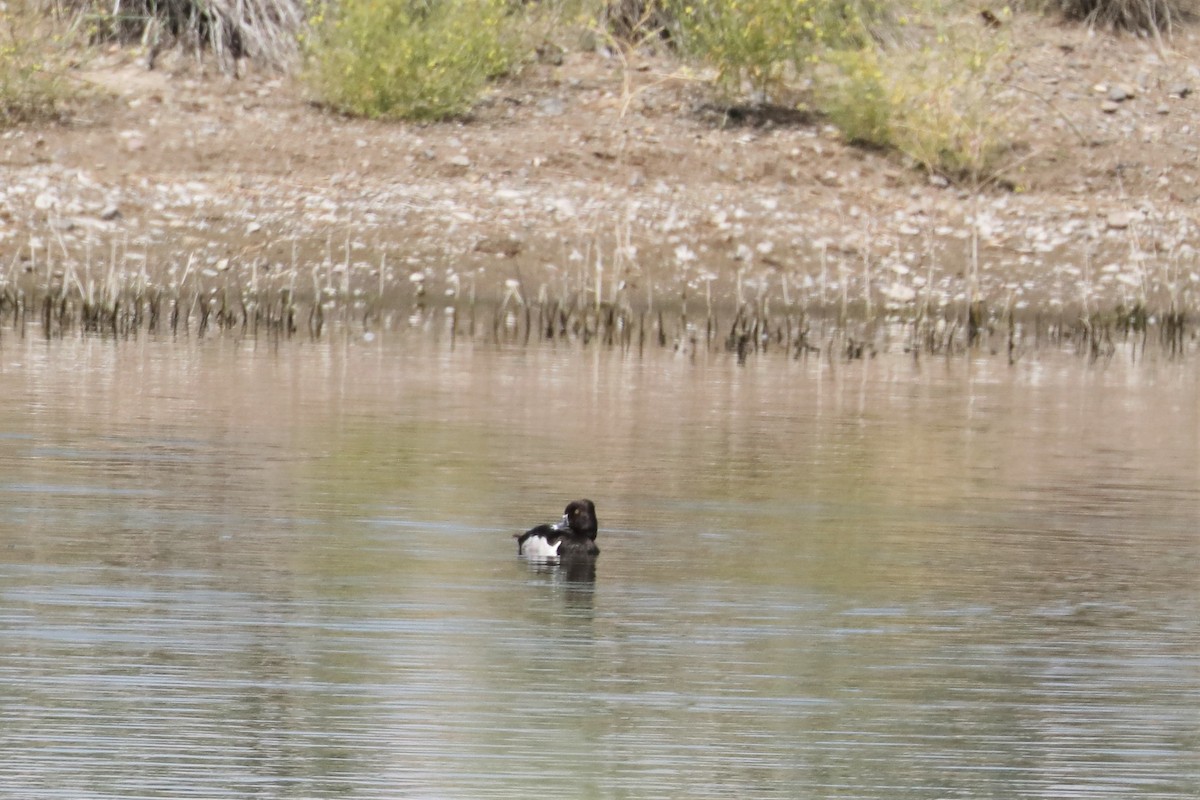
(580, 518)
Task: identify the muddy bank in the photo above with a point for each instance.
(588, 186)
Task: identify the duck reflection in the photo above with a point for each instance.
(579, 571)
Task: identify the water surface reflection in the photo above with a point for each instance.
(244, 570)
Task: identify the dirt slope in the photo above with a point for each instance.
(586, 173)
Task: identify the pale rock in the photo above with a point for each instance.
(564, 208)
(1119, 220)
(899, 293)
(1120, 93)
(551, 107)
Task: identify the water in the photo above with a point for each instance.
(286, 570)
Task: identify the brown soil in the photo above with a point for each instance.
(591, 173)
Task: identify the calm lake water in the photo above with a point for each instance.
(257, 570)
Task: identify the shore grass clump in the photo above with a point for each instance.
(1152, 16)
(409, 59)
(924, 79)
(934, 93)
(33, 82)
(636, 21)
(264, 30)
(763, 44)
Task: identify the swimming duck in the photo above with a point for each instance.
(573, 538)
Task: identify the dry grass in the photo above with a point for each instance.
(118, 294)
(1152, 16)
(265, 30)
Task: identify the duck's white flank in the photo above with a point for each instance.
(538, 549)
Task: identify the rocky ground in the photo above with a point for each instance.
(593, 174)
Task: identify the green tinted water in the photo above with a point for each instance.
(237, 570)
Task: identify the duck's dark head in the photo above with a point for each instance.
(580, 518)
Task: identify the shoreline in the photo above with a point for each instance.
(567, 186)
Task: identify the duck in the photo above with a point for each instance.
(571, 539)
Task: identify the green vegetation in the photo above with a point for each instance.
(922, 78)
(910, 82)
(754, 42)
(413, 59)
(32, 82)
(937, 97)
(765, 44)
